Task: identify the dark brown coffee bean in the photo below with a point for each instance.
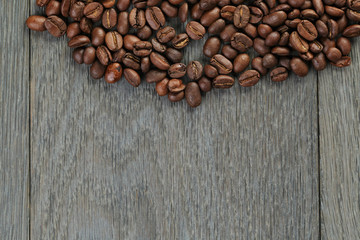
(279, 74)
(353, 15)
(275, 19)
(260, 47)
(142, 48)
(353, 4)
(166, 34)
(113, 73)
(109, 18)
(183, 12)
(108, 3)
(123, 24)
(129, 41)
(155, 17)
(256, 64)
(132, 77)
(93, 10)
(180, 41)
(241, 16)
(210, 17)
(316, 47)
(272, 39)
(176, 86)
(280, 51)
(177, 70)
(196, 12)
(250, 30)
(223, 81)
(334, 11)
(42, 3)
(97, 70)
(318, 6)
(344, 45)
(155, 76)
(295, 13)
(321, 28)
(161, 87)
(65, 7)
(161, 48)
(285, 62)
(333, 54)
(117, 56)
(269, 61)
(298, 43)
(104, 55)
(205, 84)
(137, 18)
(144, 33)
(159, 61)
(210, 71)
(78, 55)
(194, 70)
(249, 78)
(327, 43)
(229, 52)
(345, 61)
(222, 64)
(333, 28)
(308, 56)
(195, 30)
(173, 55)
(169, 9)
(145, 64)
(36, 23)
(352, 30)
(192, 94)
(241, 62)
(55, 26)
(309, 14)
(53, 8)
(211, 46)
(256, 15)
(228, 32)
(114, 41)
(264, 30)
(123, 5)
(86, 25)
(89, 55)
(176, 97)
(299, 67)
(141, 4)
(73, 30)
(131, 61)
(307, 30)
(227, 12)
(77, 11)
(319, 62)
(98, 36)
(241, 42)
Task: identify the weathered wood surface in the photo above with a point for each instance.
(14, 120)
(339, 105)
(114, 162)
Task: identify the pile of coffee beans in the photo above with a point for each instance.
(132, 38)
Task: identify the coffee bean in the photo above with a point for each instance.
(211, 46)
(77, 11)
(65, 7)
(173, 55)
(117, 56)
(36, 23)
(241, 62)
(73, 30)
(228, 32)
(166, 34)
(275, 19)
(159, 61)
(53, 8)
(264, 30)
(210, 71)
(257, 64)
(241, 16)
(104, 55)
(183, 12)
(132, 77)
(272, 39)
(316, 47)
(114, 41)
(155, 17)
(89, 55)
(123, 5)
(352, 30)
(279, 74)
(98, 36)
(180, 41)
(145, 64)
(333, 54)
(129, 41)
(207, 4)
(42, 3)
(155, 76)
(227, 12)
(299, 67)
(298, 43)
(249, 78)
(97, 70)
(176, 97)
(319, 62)
(223, 81)
(345, 61)
(205, 84)
(86, 25)
(307, 30)
(260, 46)
(93, 10)
(113, 73)
(176, 85)
(55, 26)
(137, 18)
(344, 45)
(123, 24)
(195, 30)
(210, 17)
(144, 33)
(131, 61)
(269, 60)
(169, 9)
(241, 42)
(192, 94)
(229, 52)
(109, 18)
(142, 48)
(194, 70)
(177, 70)
(161, 87)
(78, 55)
(108, 3)
(222, 64)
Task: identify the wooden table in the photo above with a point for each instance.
(81, 159)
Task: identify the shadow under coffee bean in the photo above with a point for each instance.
(137, 39)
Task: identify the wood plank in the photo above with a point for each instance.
(339, 105)
(14, 120)
(114, 162)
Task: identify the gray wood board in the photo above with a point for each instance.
(114, 162)
(14, 120)
(339, 105)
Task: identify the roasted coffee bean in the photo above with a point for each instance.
(222, 64)
(145, 64)
(207, 4)
(229, 52)
(129, 41)
(117, 56)
(195, 30)
(180, 41)
(42, 3)
(260, 47)
(89, 55)
(55, 26)
(104, 55)
(79, 41)
(299, 67)
(210, 71)
(132, 77)
(169, 9)
(344, 45)
(241, 62)
(137, 18)
(176, 97)
(333, 54)
(316, 47)
(228, 32)
(223, 81)
(98, 36)
(109, 18)
(272, 39)
(275, 19)
(177, 70)
(36, 23)
(307, 30)
(161, 48)
(256, 64)
(173, 55)
(77, 11)
(319, 62)
(144, 33)
(269, 60)
(193, 94)
(114, 41)
(352, 30)
(73, 30)
(166, 34)
(264, 30)
(159, 61)
(345, 61)
(176, 85)
(155, 76)
(93, 10)
(155, 17)
(123, 24)
(108, 3)
(284, 62)
(161, 87)
(183, 12)
(249, 78)
(227, 12)
(131, 61)
(78, 55)
(333, 28)
(65, 7)
(123, 5)
(142, 48)
(196, 12)
(279, 74)
(97, 70)
(298, 43)
(211, 46)
(241, 42)
(86, 25)
(194, 70)
(250, 30)
(210, 17)
(113, 73)
(241, 16)
(53, 8)
(256, 15)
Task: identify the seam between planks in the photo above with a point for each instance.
(318, 150)
(30, 152)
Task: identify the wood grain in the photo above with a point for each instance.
(114, 162)
(14, 120)
(339, 105)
